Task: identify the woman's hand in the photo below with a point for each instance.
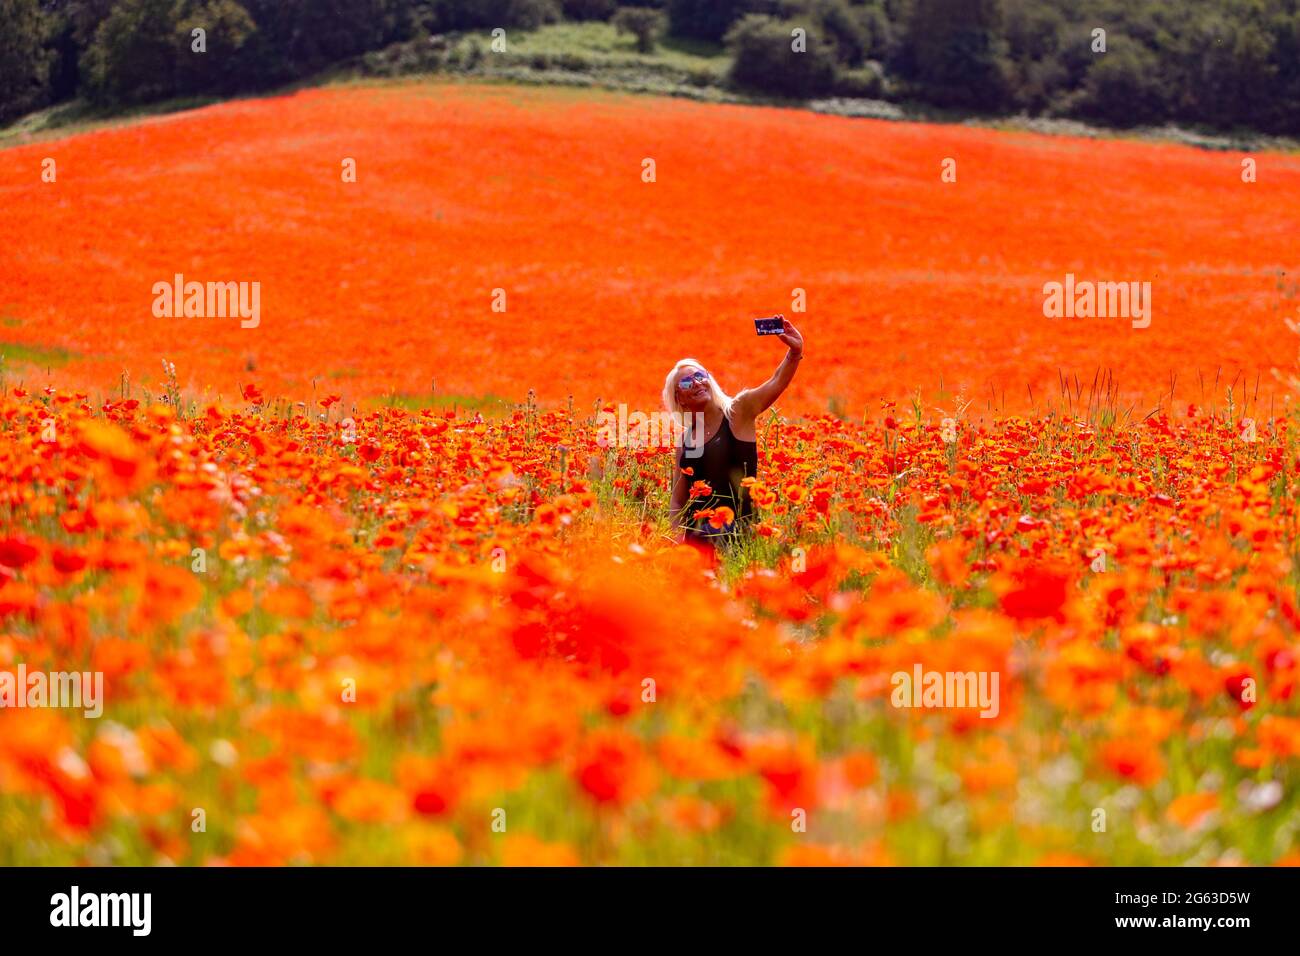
(753, 401)
(791, 336)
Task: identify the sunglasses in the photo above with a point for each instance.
(686, 381)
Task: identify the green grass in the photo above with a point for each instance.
(601, 42)
(78, 116)
(487, 403)
(582, 55)
(24, 353)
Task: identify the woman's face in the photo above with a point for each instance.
(693, 392)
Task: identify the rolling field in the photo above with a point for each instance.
(355, 597)
(385, 285)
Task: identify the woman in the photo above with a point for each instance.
(730, 442)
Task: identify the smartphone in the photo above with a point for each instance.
(771, 326)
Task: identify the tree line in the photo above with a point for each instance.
(1217, 63)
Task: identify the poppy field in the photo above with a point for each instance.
(366, 583)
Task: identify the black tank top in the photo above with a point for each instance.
(724, 463)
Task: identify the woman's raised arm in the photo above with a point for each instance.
(752, 402)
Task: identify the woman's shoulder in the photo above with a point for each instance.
(744, 400)
(744, 407)
(742, 427)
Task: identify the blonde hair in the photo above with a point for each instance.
(720, 398)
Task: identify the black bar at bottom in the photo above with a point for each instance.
(328, 906)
